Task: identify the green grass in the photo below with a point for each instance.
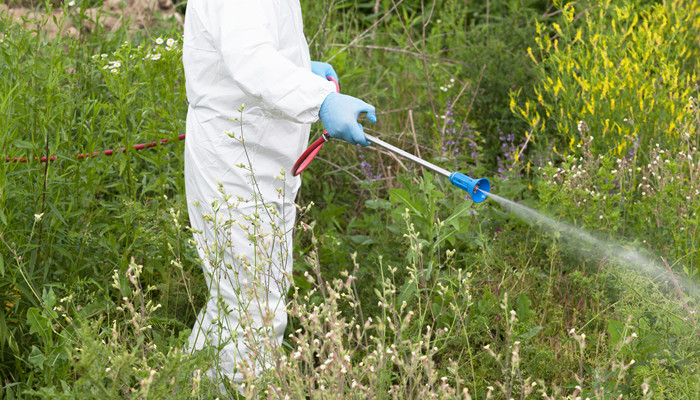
(409, 289)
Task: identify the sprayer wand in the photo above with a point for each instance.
(478, 189)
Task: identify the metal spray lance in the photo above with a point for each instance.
(478, 189)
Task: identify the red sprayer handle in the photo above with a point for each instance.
(308, 155)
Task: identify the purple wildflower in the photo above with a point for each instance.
(633, 151)
(509, 151)
(449, 139)
(367, 168)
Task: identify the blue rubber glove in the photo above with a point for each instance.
(323, 70)
(339, 114)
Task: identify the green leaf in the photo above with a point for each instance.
(2, 265)
(37, 358)
(57, 213)
(615, 330)
(3, 218)
(9, 393)
(529, 334)
(23, 144)
(449, 237)
(317, 299)
(407, 291)
(38, 323)
(3, 327)
(362, 239)
(378, 204)
(402, 196)
(486, 303)
(302, 283)
(462, 210)
(57, 353)
(49, 299)
(523, 305)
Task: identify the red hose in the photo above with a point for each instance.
(97, 153)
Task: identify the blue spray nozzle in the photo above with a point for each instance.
(477, 188)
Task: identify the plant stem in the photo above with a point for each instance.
(43, 194)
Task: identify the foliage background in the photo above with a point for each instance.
(587, 111)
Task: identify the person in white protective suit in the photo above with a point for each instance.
(250, 55)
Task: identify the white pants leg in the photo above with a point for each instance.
(247, 259)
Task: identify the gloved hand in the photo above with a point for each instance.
(339, 114)
(323, 70)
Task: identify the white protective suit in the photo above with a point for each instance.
(251, 53)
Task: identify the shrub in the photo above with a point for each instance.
(624, 71)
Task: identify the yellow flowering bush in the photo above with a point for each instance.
(618, 72)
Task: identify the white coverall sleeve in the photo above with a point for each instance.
(246, 32)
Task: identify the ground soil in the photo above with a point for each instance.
(113, 14)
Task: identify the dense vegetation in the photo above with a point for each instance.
(403, 288)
